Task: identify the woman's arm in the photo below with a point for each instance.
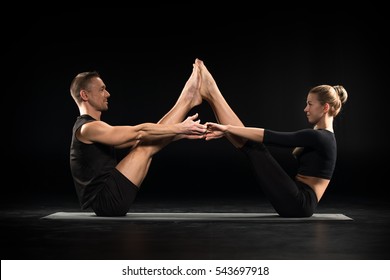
(215, 131)
(300, 138)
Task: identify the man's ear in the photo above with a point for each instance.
(84, 95)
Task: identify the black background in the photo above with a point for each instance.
(264, 62)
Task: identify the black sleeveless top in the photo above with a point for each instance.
(90, 164)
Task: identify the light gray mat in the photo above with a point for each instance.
(191, 216)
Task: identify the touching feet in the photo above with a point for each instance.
(208, 83)
(191, 91)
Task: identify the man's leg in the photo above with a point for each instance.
(136, 164)
(222, 110)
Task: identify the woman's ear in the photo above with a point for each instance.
(326, 107)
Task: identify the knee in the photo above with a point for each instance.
(145, 150)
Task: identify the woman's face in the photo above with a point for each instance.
(314, 109)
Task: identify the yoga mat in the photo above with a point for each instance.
(191, 216)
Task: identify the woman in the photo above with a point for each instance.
(315, 148)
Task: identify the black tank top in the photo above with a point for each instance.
(90, 164)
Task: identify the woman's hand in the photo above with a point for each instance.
(215, 131)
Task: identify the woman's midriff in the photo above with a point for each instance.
(318, 185)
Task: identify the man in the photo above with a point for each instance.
(103, 184)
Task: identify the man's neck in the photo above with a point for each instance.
(93, 113)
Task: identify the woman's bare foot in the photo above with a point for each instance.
(208, 84)
(191, 90)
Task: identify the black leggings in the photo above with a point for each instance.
(290, 198)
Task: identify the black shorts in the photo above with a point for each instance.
(116, 196)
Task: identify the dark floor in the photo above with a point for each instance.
(26, 236)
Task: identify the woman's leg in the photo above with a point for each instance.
(136, 164)
(288, 197)
(222, 110)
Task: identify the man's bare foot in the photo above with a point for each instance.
(191, 90)
(208, 83)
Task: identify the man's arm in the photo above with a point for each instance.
(99, 131)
